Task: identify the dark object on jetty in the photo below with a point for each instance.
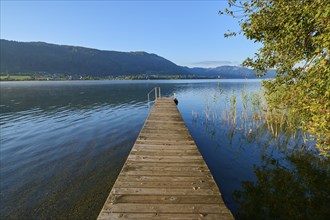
(176, 101)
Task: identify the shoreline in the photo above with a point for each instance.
(127, 79)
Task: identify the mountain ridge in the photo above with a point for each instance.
(45, 58)
(229, 72)
(32, 57)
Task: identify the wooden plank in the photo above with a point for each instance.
(165, 146)
(166, 208)
(162, 216)
(165, 176)
(178, 165)
(163, 132)
(187, 150)
(163, 138)
(164, 142)
(127, 178)
(162, 191)
(149, 127)
(164, 152)
(168, 159)
(165, 113)
(174, 199)
(163, 167)
(173, 135)
(165, 173)
(171, 185)
(164, 157)
(178, 123)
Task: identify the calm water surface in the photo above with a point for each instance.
(64, 143)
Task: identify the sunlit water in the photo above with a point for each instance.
(64, 143)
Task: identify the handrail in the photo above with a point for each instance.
(157, 94)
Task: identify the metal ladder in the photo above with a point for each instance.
(157, 95)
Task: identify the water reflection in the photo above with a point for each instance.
(299, 191)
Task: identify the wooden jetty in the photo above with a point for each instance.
(165, 176)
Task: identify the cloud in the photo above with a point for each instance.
(214, 63)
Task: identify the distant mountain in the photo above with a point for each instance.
(228, 72)
(32, 57)
(28, 58)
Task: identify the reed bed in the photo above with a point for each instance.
(246, 114)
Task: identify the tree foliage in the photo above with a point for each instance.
(296, 42)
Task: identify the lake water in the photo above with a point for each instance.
(64, 143)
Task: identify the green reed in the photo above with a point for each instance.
(233, 107)
(253, 119)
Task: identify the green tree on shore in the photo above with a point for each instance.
(296, 42)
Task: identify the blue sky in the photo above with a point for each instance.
(189, 33)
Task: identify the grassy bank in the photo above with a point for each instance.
(16, 78)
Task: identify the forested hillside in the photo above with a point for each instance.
(22, 57)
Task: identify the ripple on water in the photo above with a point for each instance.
(44, 148)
